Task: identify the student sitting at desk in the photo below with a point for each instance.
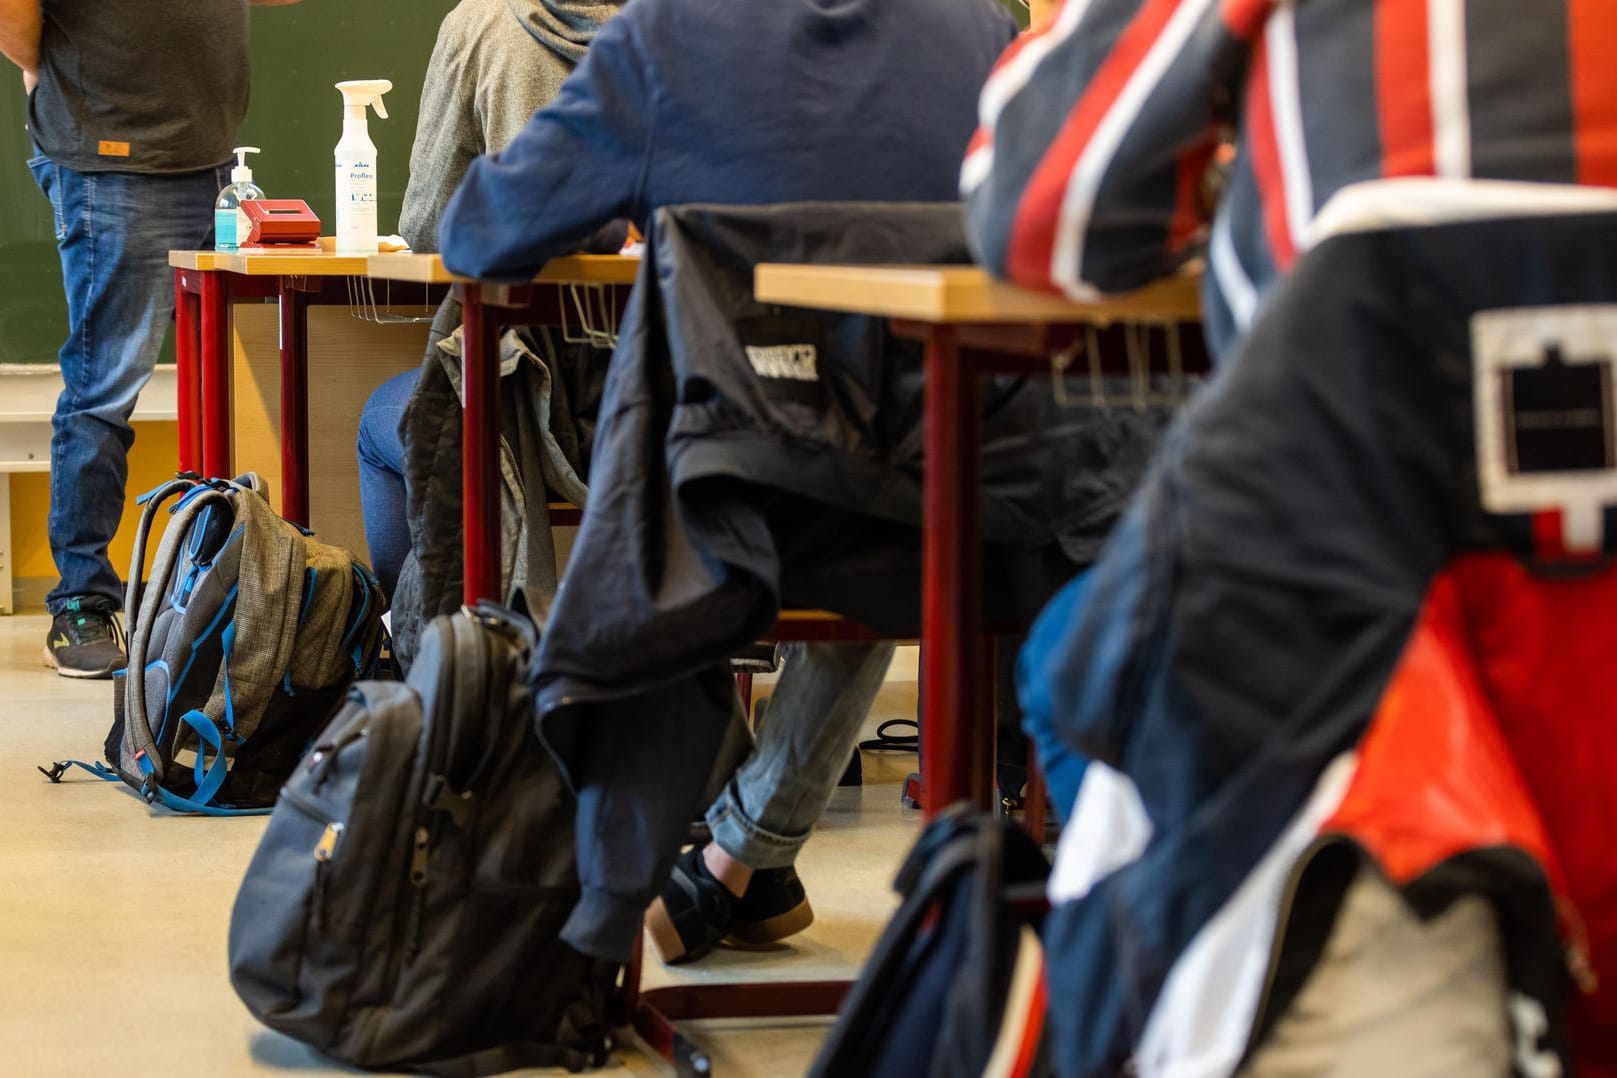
(494, 64)
(683, 101)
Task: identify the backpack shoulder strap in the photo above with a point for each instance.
(849, 1036)
(152, 500)
(139, 741)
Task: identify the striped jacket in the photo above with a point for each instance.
(1096, 130)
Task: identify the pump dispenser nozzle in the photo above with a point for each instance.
(230, 225)
(241, 173)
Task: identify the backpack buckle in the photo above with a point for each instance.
(439, 797)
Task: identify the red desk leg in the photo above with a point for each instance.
(951, 590)
(480, 447)
(215, 376)
(294, 303)
(187, 345)
(1036, 798)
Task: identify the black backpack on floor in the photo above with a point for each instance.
(955, 986)
(404, 907)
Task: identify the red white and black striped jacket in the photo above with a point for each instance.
(1086, 174)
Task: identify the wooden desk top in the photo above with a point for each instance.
(579, 269)
(192, 260)
(954, 294)
(304, 263)
(268, 262)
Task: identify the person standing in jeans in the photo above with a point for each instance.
(132, 109)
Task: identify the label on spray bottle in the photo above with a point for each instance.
(356, 207)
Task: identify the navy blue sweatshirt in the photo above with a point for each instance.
(737, 102)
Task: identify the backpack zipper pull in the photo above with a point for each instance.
(322, 859)
(328, 842)
(418, 859)
(418, 880)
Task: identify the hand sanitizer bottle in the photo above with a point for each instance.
(230, 224)
(356, 167)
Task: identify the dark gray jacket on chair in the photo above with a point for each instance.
(726, 484)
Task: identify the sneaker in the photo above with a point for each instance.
(774, 907)
(695, 911)
(86, 639)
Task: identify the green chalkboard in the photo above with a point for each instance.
(299, 52)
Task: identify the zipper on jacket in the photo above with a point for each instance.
(1282, 908)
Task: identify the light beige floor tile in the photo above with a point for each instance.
(113, 917)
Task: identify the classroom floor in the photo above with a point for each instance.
(113, 918)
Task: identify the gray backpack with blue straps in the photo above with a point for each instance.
(241, 646)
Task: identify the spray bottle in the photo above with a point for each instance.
(356, 167)
(230, 224)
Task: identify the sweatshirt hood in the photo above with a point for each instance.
(565, 27)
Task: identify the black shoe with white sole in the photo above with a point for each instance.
(86, 639)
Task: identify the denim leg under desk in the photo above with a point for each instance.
(382, 495)
(824, 695)
(113, 232)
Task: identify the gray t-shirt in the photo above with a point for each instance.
(140, 85)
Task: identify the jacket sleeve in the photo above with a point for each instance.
(1095, 134)
(447, 139)
(577, 165)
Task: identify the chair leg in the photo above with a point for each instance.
(660, 1009)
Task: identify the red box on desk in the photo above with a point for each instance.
(281, 223)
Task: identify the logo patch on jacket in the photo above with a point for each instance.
(1546, 414)
(783, 347)
(799, 362)
(111, 148)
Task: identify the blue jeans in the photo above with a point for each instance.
(381, 477)
(824, 694)
(113, 231)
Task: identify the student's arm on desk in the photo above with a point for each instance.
(20, 24)
(1077, 181)
(577, 166)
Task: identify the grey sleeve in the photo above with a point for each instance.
(448, 136)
